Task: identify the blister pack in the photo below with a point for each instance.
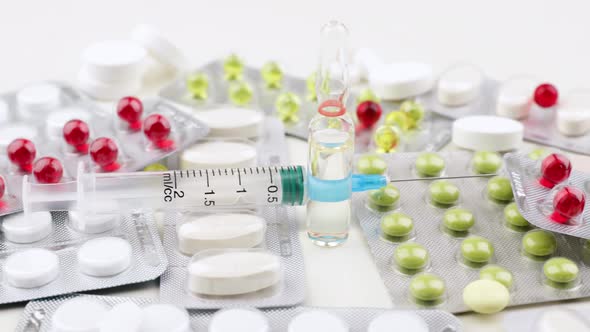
(215, 97)
(263, 269)
(550, 195)
(49, 128)
(48, 314)
(49, 256)
(436, 241)
(562, 318)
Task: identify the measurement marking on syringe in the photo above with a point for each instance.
(207, 174)
(180, 174)
(194, 173)
(188, 174)
(239, 178)
(270, 173)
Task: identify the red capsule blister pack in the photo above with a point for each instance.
(550, 194)
(47, 129)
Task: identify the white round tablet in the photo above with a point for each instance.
(515, 97)
(159, 46)
(225, 230)
(92, 223)
(218, 154)
(231, 122)
(233, 272)
(114, 61)
(165, 318)
(79, 314)
(123, 317)
(104, 256)
(317, 321)
(459, 85)
(18, 228)
(243, 320)
(31, 268)
(398, 81)
(573, 113)
(490, 133)
(4, 111)
(57, 119)
(401, 320)
(34, 99)
(107, 91)
(9, 133)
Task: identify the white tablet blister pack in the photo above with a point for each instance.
(49, 128)
(459, 243)
(291, 99)
(48, 256)
(48, 315)
(227, 258)
(555, 319)
(550, 194)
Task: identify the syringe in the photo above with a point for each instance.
(189, 189)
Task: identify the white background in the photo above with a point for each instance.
(550, 39)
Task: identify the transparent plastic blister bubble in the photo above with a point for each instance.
(462, 90)
(293, 101)
(38, 262)
(563, 208)
(272, 271)
(40, 314)
(62, 128)
(564, 126)
(449, 244)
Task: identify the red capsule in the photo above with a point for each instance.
(104, 152)
(546, 95)
(48, 170)
(368, 113)
(568, 203)
(76, 133)
(22, 152)
(157, 129)
(130, 110)
(555, 169)
(2, 187)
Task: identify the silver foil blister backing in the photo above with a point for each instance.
(148, 259)
(444, 248)
(37, 315)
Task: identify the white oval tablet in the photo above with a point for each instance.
(123, 317)
(226, 230)
(243, 320)
(92, 223)
(13, 131)
(515, 98)
(459, 85)
(159, 46)
(19, 229)
(398, 81)
(56, 120)
(488, 133)
(573, 114)
(231, 122)
(232, 273)
(107, 91)
(218, 154)
(401, 321)
(317, 321)
(78, 315)
(34, 99)
(31, 268)
(114, 61)
(4, 111)
(165, 318)
(104, 256)
(557, 320)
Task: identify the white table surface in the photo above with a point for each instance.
(44, 39)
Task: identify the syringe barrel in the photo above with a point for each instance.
(181, 190)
